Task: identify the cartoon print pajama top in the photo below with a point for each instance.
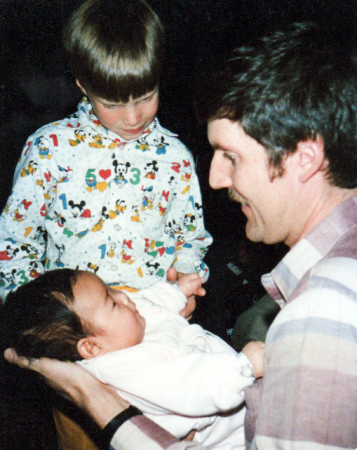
(83, 198)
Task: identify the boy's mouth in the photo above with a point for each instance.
(136, 131)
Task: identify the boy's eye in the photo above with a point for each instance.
(148, 98)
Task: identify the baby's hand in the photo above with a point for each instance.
(191, 284)
(254, 351)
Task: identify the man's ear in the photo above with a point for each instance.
(311, 158)
(81, 87)
(89, 347)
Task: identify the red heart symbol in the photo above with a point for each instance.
(105, 173)
(86, 213)
(161, 250)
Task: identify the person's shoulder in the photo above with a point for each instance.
(330, 292)
(55, 126)
(334, 264)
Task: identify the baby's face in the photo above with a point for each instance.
(110, 315)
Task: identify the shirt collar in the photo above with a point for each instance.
(87, 117)
(284, 278)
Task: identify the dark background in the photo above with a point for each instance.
(36, 88)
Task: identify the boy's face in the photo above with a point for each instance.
(110, 315)
(128, 120)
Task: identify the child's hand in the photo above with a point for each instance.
(254, 351)
(190, 285)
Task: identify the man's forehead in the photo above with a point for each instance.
(225, 134)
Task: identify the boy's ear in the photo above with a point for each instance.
(89, 347)
(311, 158)
(81, 87)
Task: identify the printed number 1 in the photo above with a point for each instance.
(64, 200)
(55, 140)
(102, 248)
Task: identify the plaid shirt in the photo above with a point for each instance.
(308, 397)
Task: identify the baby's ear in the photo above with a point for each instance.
(89, 347)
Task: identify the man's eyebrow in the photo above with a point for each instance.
(222, 148)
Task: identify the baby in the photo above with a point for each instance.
(181, 376)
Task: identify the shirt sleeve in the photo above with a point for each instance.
(163, 294)
(141, 372)
(141, 432)
(192, 239)
(310, 380)
(22, 223)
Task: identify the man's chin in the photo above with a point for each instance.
(253, 234)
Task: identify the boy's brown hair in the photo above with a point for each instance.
(115, 48)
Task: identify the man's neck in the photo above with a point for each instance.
(318, 205)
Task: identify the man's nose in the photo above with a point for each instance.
(219, 175)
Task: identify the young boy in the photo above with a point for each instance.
(180, 375)
(106, 189)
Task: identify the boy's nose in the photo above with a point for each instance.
(132, 117)
(219, 176)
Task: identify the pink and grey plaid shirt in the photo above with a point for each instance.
(308, 397)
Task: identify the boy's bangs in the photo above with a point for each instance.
(119, 79)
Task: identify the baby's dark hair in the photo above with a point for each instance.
(37, 320)
(115, 48)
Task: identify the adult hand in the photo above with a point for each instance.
(75, 384)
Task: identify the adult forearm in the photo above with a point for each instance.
(141, 432)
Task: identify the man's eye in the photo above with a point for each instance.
(230, 156)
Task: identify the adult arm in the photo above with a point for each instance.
(102, 404)
(310, 380)
(254, 323)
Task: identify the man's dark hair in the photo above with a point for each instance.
(115, 48)
(37, 321)
(289, 87)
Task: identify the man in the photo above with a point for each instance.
(283, 128)
(282, 121)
